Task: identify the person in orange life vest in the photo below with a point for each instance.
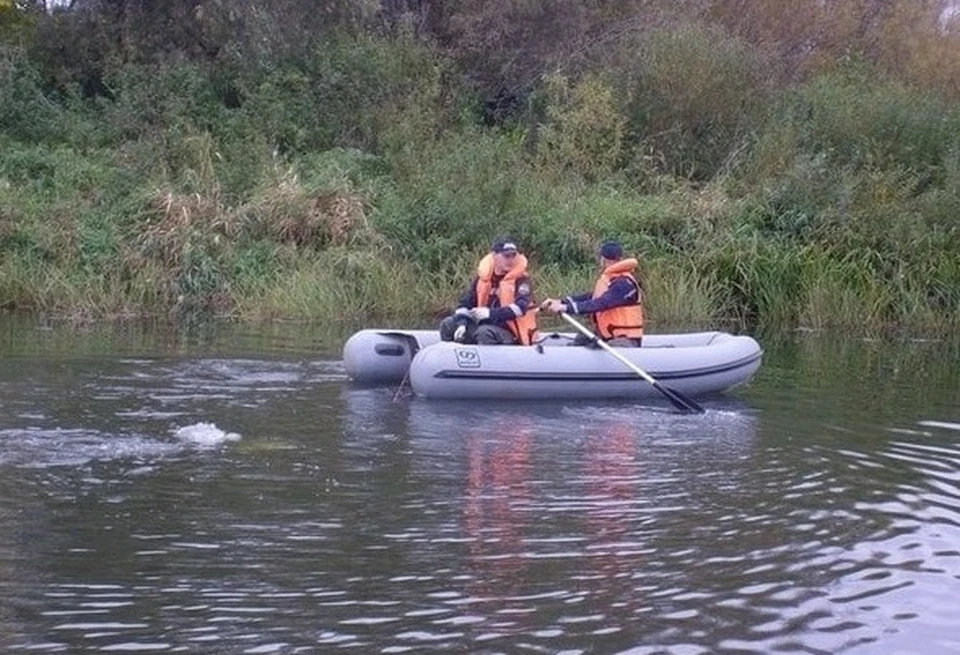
(615, 304)
(495, 310)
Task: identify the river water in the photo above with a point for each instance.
(223, 489)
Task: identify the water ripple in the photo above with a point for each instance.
(347, 518)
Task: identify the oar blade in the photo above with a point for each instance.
(679, 400)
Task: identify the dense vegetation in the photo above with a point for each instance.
(791, 164)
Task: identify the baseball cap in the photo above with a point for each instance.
(611, 250)
(504, 244)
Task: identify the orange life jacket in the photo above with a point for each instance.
(524, 328)
(625, 320)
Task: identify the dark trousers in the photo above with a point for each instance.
(485, 334)
(616, 342)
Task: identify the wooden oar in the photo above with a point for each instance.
(679, 400)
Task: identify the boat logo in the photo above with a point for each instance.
(467, 358)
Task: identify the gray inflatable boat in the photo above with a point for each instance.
(374, 357)
(695, 364)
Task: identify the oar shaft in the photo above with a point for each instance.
(679, 400)
(603, 344)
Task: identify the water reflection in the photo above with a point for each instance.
(613, 549)
(497, 505)
(563, 507)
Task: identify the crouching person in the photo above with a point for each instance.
(497, 308)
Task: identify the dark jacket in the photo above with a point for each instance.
(622, 291)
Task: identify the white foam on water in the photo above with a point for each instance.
(940, 424)
(205, 435)
(35, 447)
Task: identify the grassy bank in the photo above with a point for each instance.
(361, 181)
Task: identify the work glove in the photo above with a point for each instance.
(480, 313)
(462, 311)
(460, 333)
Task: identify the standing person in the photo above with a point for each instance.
(496, 308)
(615, 304)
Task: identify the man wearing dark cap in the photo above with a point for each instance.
(495, 310)
(615, 304)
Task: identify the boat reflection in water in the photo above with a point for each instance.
(548, 516)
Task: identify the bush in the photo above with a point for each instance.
(27, 113)
(344, 95)
(861, 122)
(585, 127)
(451, 197)
(694, 94)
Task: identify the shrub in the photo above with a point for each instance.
(859, 121)
(27, 113)
(149, 100)
(694, 93)
(585, 127)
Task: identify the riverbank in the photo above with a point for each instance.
(319, 241)
(360, 182)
